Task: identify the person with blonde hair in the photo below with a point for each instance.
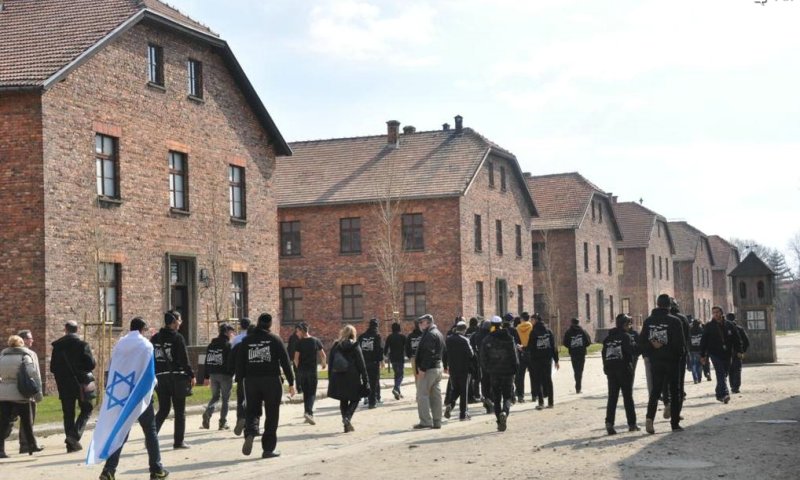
(13, 402)
(347, 374)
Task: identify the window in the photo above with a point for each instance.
(177, 181)
(653, 263)
(760, 289)
(352, 303)
(478, 234)
(593, 211)
(697, 276)
(502, 178)
(597, 255)
(195, 78)
(238, 295)
(659, 230)
(756, 319)
(539, 305)
(237, 192)
(105, 149)
(609, 262)
(660, 268)
(666, 265)
(518, 238)
(520, 300)
(413, 239)
(498, 229)
(585, 257)
(611, 306)
(538, 252)
(490, 166)
(414, 299)
(588, 307)
(155, 65)
(479, 298)
(292, 304)
(349, 235)
(626, 306)
(290, 238)
(600, 211)
(109, 293)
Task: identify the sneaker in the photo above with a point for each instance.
(520, 399)
(206, 421)
(465, 418)
(648, 426)
(677, 428)
(667, 412)
(273, 454)
(396, 393)
(634, 428)
(735, 391)
(181, 446)
(501, 422)
(447, 410)
(372, 406)
(309, 418)
(539, 407)
(104, 475)
(159, 475)
(73, 445)
(610, 429)
(726, 399)
(239, 428)
(247, 448)
(223, 425)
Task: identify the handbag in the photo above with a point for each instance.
(339, 364)
(87, 390)
(27, 384)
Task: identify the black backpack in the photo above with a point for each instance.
(27, 384)
(339, 363)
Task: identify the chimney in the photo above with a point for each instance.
(527, 174)
(409, 129)
(445, 127)
(459, 123)
(393, 129)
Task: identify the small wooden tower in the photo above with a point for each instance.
(753, 296)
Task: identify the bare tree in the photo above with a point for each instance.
(214, 289)
(547, 274)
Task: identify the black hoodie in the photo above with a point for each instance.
(371, 346)
(695, 336)
(617, 352)
(70, 363)
(218, 359)
(412, 342)
(542, 344)
(499, 353)
(666, 329)
(395, 347)
(459, 354)
(170, 353)
(721, 339)
(263, 354)
(576, 340)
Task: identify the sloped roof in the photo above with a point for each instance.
(751, 266)
(687, 239)
(722, 251)
(637, 224)
(41, 41)
(439, 163)
(563, 200)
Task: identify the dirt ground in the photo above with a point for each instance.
(755, 436)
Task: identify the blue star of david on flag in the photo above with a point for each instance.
(127, 387)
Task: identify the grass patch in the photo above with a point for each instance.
(385, 375)
(593, 348)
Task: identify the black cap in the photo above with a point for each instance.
(264, 320)
(169, 317)
(373, 322)
(244, 323)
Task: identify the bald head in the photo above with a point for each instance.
(71, 327)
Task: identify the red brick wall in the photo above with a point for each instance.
(109, 93)
(560, 248)
(689, 286)
(509, 206)
(723, 293)
(21, 218)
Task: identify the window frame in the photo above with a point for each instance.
(155, 65)
(239, 295)
(479, 305)
(413, 232)
(478, 233)
(350, 234)
(599, 261)
(290, 304)
(183, 173)
(520, 299)
(104, 285)
(503, 183)
(610, 262)
(490, 167)
(498, 236)
(585, 256)
(235, 186)
(101, 160)
(537, 250)
(291, 231)
(588, 306)
(194, 77)
(352, 300)
(411, 290)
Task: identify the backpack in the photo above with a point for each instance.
(339, 363)
(27, 384)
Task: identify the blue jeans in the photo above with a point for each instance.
(398, 374)
(221, 385)
(721, 367)
(147, 420)
(697, 367)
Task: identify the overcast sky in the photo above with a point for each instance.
(691, 106)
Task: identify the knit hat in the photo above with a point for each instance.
(508, 317)
(373, 322)
(496, 320)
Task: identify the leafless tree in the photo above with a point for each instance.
(214, 289)
(549, 289)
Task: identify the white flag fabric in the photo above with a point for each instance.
(129, 391)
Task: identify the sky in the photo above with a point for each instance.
(690, 106)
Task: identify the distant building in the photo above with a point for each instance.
(726, 258)
(693, 261)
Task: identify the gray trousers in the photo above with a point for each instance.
(220, 387)
(429, 397)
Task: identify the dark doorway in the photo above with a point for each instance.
(502, 297)
(181, 274)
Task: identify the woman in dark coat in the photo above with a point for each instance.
(347, 381)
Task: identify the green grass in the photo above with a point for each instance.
(593, 348)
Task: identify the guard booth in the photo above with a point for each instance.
(753, 298)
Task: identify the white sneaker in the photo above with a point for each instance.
(309, 418)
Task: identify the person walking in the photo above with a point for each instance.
(308, 354)
(291, 347)
(174, 374)
(736, 360)
(577, 341)
(348, 381)
(719, 344)
(132, 379)
(674, 310)
(543, 355)
(475, 377)
(412, 344)
(662, 339)
(372, 349)
(71, 364)
(617, 357)
(706, 365)
(460, 358)
(524, 331)
(218, 372)
(259, 361)
(499, 358)
(395, 355)
(27, 339)
(13, 402)
(476, 341)
(245, 326)
(431, 354)
(695, 336)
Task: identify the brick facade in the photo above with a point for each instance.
(694, 289)
(726, 258)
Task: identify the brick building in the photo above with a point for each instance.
(136, 166)
(726, 258)
(459, 229)
(692, 270)
(574, 252)
(645, 259)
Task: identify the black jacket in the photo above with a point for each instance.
(218, 359)
(70, 363)
(499, 353)
(460, 356)
(170, 352)
(412, 343)
(576, 340)
(720, 339)
(263, 354)
(347, 385)
(685, 328)
(665, 328)
(634, 338)
(371, 345)
(395, 347)
(617, 352)
(431, 350)
(695, 336)
(743, 338)
(542, 344)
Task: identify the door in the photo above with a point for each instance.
(181, 274)
(502, 297)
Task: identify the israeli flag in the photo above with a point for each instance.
(131, 380)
